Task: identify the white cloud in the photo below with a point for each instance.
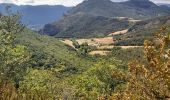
(59, 2)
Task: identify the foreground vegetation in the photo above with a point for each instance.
(35, 67)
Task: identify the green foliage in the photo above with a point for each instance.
(131, 42)
(97, 81)
(89, 87)
(13, 57)
(35, 67)
(38, 84)
(43, 84)
(48, 52)
(76, 44)
(13, 62)
(127, 55)
(84, 49)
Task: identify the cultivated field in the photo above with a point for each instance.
(103, 45)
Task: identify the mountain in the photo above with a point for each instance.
(84, 25)
(93, 17)
(37, 16)
(142, 30)
(137, 9)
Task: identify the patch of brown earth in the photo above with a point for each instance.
(119, 32)
(96, 41)
(68, 42)
(97, 52)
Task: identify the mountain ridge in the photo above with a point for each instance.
(135, 9)
(138, 9)
(84, 25)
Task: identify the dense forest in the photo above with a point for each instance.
(36, 67)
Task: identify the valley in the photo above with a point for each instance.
(89, 50)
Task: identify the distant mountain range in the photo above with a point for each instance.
(77, 22)
(37, 16)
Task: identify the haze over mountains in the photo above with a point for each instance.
(37, 16)
(84, 19)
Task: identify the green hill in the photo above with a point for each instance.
(49, 52)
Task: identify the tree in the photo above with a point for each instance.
(84, 49)
(38, 84)
(150, 81)
(44, 85)
(13, 57)
(97, 81)
(75, 44)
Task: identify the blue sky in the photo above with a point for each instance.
(60, 2)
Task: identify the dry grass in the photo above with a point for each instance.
(68, 42)
(96, 41)
(98, 52)
(105, 47)
(127, 47)
(119, 32)
(92, 41)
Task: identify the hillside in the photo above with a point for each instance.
(49, 52)
(37, 16)
(142, 30)
(84, 25)
(88, 56)
(93, 18)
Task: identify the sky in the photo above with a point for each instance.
(60, 2)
